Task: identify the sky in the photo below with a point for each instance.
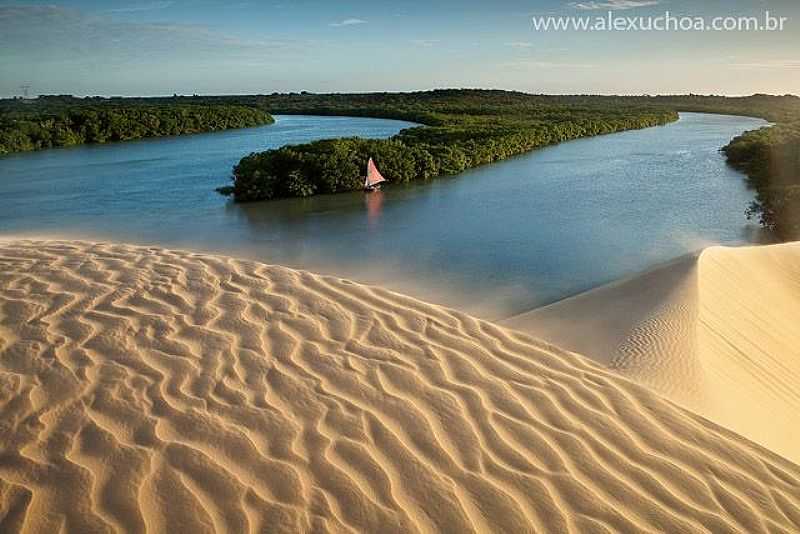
(161, 47)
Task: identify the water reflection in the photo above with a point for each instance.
(374, 202)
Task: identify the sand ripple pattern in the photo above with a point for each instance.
(150, 390)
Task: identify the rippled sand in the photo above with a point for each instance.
(145, 389)
(717, 332)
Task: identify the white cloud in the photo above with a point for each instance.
(348, 22)
(520, 44)
(613, 5)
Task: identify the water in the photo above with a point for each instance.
(495, 240)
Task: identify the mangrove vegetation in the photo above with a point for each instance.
(61, 122)
(460, 129)
(771, 159)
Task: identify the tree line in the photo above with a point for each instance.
(771, 159)
(49, 125)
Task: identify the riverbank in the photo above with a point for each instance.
(156, 389)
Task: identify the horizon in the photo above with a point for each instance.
(410, 91)
(161, 48)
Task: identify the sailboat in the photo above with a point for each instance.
(374, 179)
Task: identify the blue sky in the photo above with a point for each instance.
(155, 47)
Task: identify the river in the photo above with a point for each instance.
(494, 241)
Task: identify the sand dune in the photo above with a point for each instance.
(717, 332)
(145, 389)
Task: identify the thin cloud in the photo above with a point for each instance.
(770, 64)
(425, 42)
(348, 22)
(520, 44)
(152, 6)
(613, 5)
(534, 64)
(53, 33)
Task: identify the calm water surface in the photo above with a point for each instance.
(495, 240)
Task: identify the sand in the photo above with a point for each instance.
(717, 332)
(151, 390)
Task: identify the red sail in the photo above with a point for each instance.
(374, 176)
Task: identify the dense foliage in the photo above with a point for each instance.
(771, 159)
(463, 129)
(48, 124)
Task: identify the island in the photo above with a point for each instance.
(460, 129)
